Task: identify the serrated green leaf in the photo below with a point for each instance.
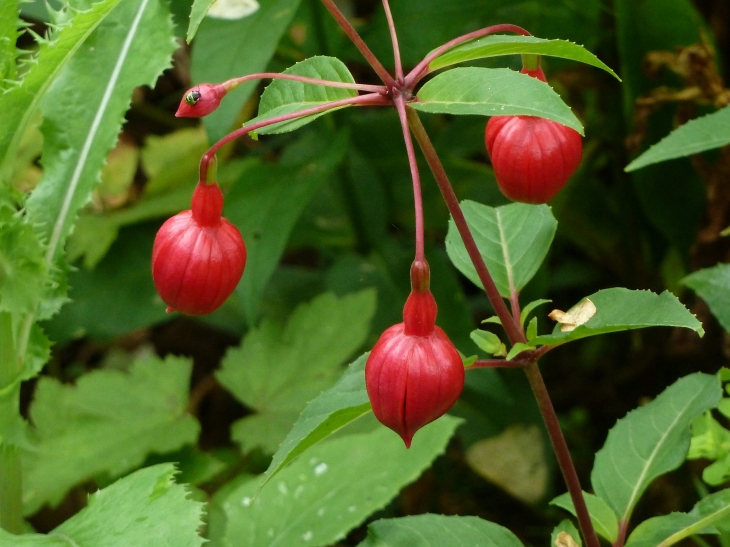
(527, 310)
(513, 240)
(620, 309)
(343, 403)
(566, 526)
(438, 531)
(602, 516)
(21, 101)
(713, 286)
(286, 96)
(279, 368)
(488, 342)
(695, 136)
(650, 441)
(492, 46)
(145, 509)
(9, 23)
(214, 56)
(318, 498)
(108, 422)
(130, 48)
(493, 92)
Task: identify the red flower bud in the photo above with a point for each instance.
(532, 157)
(414, 373)
(198, 256)
(201, 100)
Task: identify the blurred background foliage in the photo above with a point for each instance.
(329, 208)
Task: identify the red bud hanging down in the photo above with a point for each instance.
(198, 256)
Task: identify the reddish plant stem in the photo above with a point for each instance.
(622, 529)
(235, 82)
(513, 332)
(400, 105)
(372, 99)
(515, 304)
(509, 324)
(421, 69)
(394, 39)
(379, 69)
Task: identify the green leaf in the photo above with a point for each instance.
(229, 49)
(287, 96)
(438, 531)
(488, 342)
(20, 102)
(333, 409)
(492, 46)
(108, 422)
(319, 498)
(518, 348)
(130, 48)
(602, 516)
(532, 329)
(566, 526)
(714, 508)
(266, 203)
(279, 368)
(620, 309)
(695, 136)
(145, 509)
(198, 11)
(513, 240)
(713, 286)
(493, 92)
(653, 532)
(9, 23)
(527, 310)
(650, 441)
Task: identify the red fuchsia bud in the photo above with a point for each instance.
(532, 157)
(198, 256)
(414, 374)
(201, 100)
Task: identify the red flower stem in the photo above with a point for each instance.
(513, 332)
(515, 304)
(394, 39)
(359, 43)
(421, 69)
(500, 308)
(400, 105)
(560, 447)
(373, 99)
(235, 82)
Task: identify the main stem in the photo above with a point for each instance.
(512, 328)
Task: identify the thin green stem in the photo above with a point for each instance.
(360, 44)
(400, 105)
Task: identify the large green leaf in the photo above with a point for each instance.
(21, 101)
(228, 49)
(602, 516)
(279, 368)
(493, 92)
(438, 531)
(145, 509)
(333, 409)
(620, 309)
(492, 46)
(130, 48)
(698, 135)
(713, 285)
(287, 96)
(266, 203)
(108, 422)
(650, 441)
(512, 239)
(319, 498)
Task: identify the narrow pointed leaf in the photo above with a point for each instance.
(286, 97)
(492, 46)
(602, 516)
(695, 136)
(438, 531)
(21, 101)
(650, 441)
(493, 92)
(513, 240)
(713, 286)
(620, 309)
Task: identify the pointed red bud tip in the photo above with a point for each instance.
(413, 376)
(200, 100)
(198, 256)
(532, 157)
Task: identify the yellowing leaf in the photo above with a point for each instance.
(575, 316)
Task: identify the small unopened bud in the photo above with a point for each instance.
(201, 100)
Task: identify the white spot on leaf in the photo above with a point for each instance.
(232, 9)
(321, 469)
(575, 316)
